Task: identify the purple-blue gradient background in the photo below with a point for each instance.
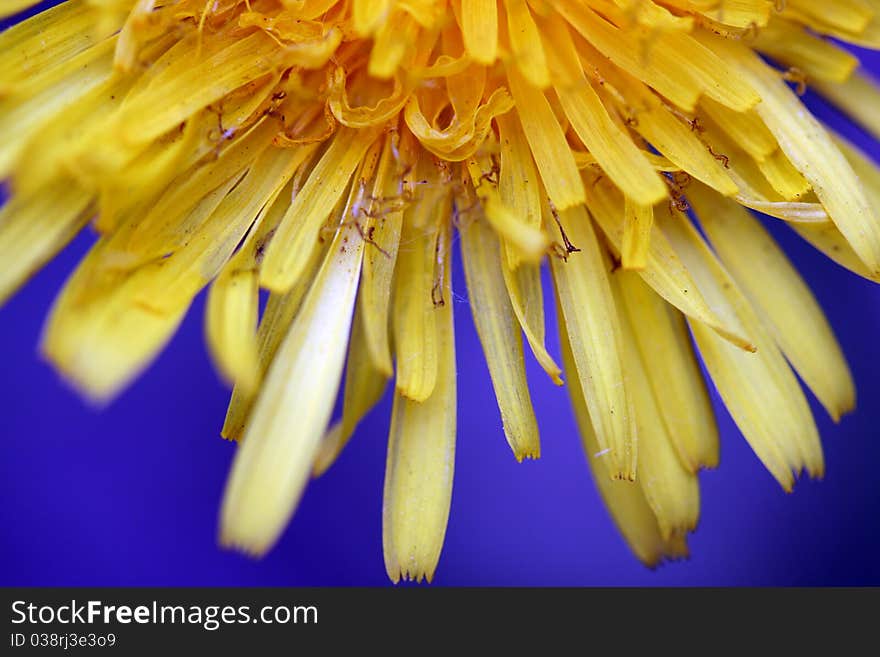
(129, 495)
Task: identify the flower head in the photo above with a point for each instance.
(329, 150)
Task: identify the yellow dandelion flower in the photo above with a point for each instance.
(328, 150)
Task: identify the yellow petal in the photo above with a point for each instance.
(518, 175)
(390, 43)
(525, 41)
(517, 179)
(42, 96)
(759, 389)
(582, 282)
(100, 335)
(275, 458)
(384, 221)
(420, 465)
(281, 310)
(745, 129)
(527, 300)
(500, 337)
(364, 387)
(367, 14)
(795, 46)
(188, 204)
(664, 270)
(364, 116)
(637, 222)
(14, 6)
(615, 152)
(813, 153)
(671, 490)
(56, 147)
(479, 27)
(857, 97)
(793, 316)
(524, 241)
(865, 167)
(673, 63)
(34, 228)
(845, 15)
(231, 326)
(418, 298)
(783, 177)
(828, 239)
(825, 236)
(297, 235)
(45, 40)
(673, 138)
(733, 13)
(547, 141)
(467, 131)
(625, 500)
(673, 371)
(189, 81)
(232, 308)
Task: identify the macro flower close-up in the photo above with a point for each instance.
(311, 173)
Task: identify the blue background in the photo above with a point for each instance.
(129, 495)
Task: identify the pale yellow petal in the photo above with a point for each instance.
(613, 149)
(418, 299)
(190, 81)
(298, 233)
(637, 222)
(45, 40)
(759, 389)
(518, 176)
(596, 341)
(41, 96)
(672, 62)
(858, 97)
(232, 308)
(527, 300)
(384, 219)
(100, 335)
(673, 371)
(745, 128)
(364, 387)
(547, 141)
(670, 488)
(12, 7)
(281, 310)
(625, 500)
(668, 133)
(420, 465)
(34, 228)
(500, 336)
(790, 310)
(795, 46)
(813, 153)
(524, 241)
(664, 270)
(845, 15)
(231, 326)
(275, 458)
